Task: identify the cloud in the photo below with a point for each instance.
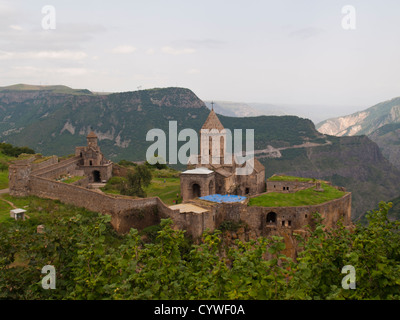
(30, 70)
(150, 51)
(62, 55)
(201, 43)
(193, 71)
(174, 51)
(306, 33)
(71, 71)
(15, 27)
(65, 55)
(125, 49)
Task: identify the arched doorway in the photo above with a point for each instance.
(96, 176)
(196, 190)
(271, 218)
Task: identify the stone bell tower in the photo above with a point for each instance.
(212, 139)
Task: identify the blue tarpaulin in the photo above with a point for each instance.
(223, 198)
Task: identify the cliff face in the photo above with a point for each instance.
(381, 123)
(388, 140)
(363, 122)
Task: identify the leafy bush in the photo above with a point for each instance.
(93, 262)
(10, 150)
(126, 163)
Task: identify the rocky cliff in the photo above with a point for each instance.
(363, 122)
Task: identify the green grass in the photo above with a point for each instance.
(299, 198)
(4, 179)
(288, 178)
(4, 159)
(73, 179)
(4, 211)
(165, 191)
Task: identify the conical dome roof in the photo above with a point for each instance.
(212, 122)
(91, 135)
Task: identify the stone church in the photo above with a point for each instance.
(211, 173)
(92, 162)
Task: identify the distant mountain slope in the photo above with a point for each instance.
(241, 109)
(381, 123)
(53, 89)
(54, 123)
(363, 122)
(388, 139)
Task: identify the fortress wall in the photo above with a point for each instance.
(150, 211)
(82, 182)
(292, 185)
(70, 194)
(126, 213)
(55, 170)
(140, 217)
(37, 166)
(332, 211)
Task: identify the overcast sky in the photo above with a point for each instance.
(286, 51)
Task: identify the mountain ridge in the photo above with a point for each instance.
(54, 123)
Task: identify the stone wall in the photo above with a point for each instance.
(205, 182)
(297, 217)
(288, 220)
(126, 213)
(84, 182)
(68, 166)
(288, 186)
(44, 164)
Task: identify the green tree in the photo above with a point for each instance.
(136, 181)
(373, 251)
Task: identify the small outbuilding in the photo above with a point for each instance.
(17, 214)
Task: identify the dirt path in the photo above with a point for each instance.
(2, 191)
(9, 202)
(272, 152)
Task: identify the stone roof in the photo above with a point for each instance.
(258, 167)
(212, 122)
(18, 210)
(223, 172)
(91, 135)
(200, 170)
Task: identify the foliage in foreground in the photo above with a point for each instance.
(93, 262)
